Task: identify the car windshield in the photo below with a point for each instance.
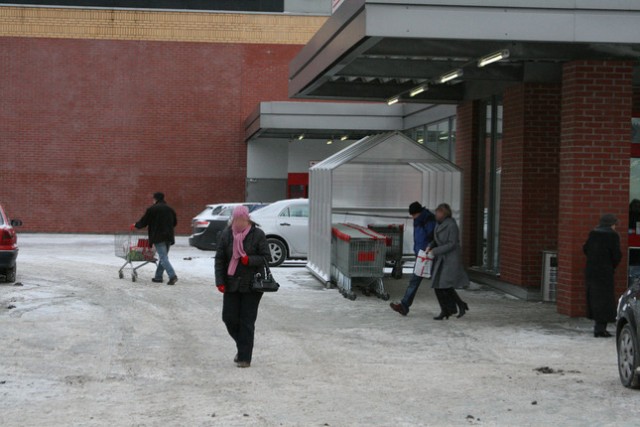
(205, 212)
(255, 207)
(226, 211)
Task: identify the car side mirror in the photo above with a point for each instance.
(16, 223)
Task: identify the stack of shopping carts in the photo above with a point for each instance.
(395, 245)
(358, 253)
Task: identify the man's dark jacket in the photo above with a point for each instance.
(423, 228)
(161, 220)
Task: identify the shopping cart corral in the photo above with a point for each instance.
(358, 258)
(134, 248)
(395, 245)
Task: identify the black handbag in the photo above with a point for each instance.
(264, 281)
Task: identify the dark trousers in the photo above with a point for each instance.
(449, 300)
(599, 327)
(239, 314)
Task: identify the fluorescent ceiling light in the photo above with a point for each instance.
(344, 138)
(329, 142)
(494, 57)
(301, 137)
(418, 90)
(393, 100)
(451, 76)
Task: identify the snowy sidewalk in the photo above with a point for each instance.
(82, 347)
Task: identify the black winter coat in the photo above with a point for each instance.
(602, 249)
(256, 248)
(161, 220)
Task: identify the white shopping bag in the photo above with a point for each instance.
(423, 265)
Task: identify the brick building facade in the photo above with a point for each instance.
(565, 161)
(100, 108)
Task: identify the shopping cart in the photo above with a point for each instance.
(358, 254)
(395, 244)
(133, 248)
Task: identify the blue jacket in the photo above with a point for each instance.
(423, 227)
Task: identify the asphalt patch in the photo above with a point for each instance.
(547, 370)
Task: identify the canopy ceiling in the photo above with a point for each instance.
(376, 49)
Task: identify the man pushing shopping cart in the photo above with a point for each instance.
(161, 221)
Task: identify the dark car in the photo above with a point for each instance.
(8, 247)
(627, 326)
(208, 224)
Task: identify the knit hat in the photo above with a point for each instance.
(158, 196)
(240, 212)
(608, 220)
(415, 208)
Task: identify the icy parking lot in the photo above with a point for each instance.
(81, 347)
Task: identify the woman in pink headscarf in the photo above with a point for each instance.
(242, 252)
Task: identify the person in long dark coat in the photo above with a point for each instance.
(602, 249)
(448, 271)
(242, 252)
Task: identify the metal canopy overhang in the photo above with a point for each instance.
(331, 120)
(375, 49)
(321, 120)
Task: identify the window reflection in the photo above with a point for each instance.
(438, 137)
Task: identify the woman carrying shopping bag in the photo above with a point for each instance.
(448, 272)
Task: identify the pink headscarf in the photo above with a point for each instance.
(238, 238)
(240, 212)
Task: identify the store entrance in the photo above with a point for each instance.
(489, 180)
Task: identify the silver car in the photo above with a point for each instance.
(286, 224)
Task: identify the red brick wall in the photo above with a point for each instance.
(594, 167)
(467, 134)
(530, 178)
(89, 129)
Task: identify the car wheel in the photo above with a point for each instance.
(11, 274)
(628, 357)
(278, 252)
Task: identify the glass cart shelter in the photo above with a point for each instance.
(374, 181)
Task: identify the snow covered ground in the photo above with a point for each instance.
(81, 347)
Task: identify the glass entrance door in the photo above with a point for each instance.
(489, 180)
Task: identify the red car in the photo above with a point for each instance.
(8, 247)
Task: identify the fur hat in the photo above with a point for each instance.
(608, 220)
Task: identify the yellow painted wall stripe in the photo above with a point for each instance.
(108, 24)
